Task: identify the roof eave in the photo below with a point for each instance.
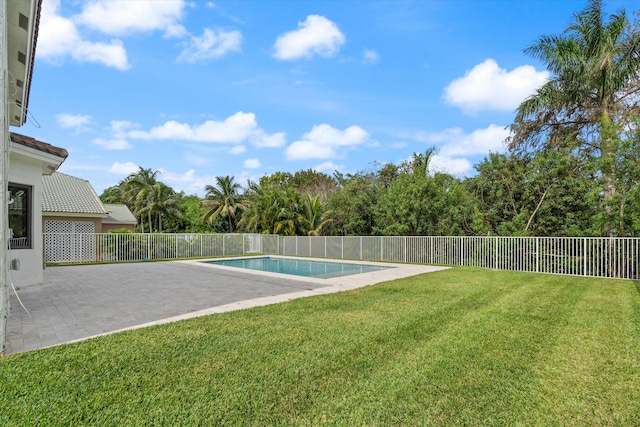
(50, 162)
(74, 214)
(22, 33)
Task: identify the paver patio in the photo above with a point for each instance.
(78, 302)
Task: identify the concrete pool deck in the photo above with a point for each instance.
(85, 301)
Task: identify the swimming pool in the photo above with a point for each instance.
(299, 267)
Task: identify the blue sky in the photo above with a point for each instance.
(245, 88)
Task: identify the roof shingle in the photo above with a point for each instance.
(30, 142)
(63, 193)
(119, 214)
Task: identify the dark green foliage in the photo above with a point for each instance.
(272, 208)
(353, 205)
(534, 194)
(224, 200)
(190, 221)
(589, 101)
(151, 201)
(424, 205)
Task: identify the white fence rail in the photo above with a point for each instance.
(90, 247)
(581, 256)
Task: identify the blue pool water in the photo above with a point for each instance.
(299, 267)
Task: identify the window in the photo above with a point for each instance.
(19, 216)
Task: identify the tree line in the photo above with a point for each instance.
(572, 167)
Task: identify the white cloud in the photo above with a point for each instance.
(455, 142)
(329, 167)
(316, 35)
(58, 39)
(113, 144)
(188, 181)
(309, 150)
(123, 168)
(212, 44)
(251, 163)
(120, 127)
(489, 87)
(238, 149)
(455, 166)
(261, 139)
(118, 136)
(238, 128)
(140, 16)
(370, 57)
(457, 149)
(78, 122)
(323, 141)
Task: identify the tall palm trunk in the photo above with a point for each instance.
(608, 137)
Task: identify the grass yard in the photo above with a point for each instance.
(457, 347)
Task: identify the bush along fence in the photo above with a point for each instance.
(582, 256)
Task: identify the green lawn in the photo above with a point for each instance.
(457, 347)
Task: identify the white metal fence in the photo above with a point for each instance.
(93, 247)
(582, 256)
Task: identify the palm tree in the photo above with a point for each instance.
(160, 202)
(138, 186)
(272, 210)
(593, 92)
(282, 212)
(223, 200)
(314, 217)
(419, 162)
(256, 199)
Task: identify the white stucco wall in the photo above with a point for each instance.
(28, 171)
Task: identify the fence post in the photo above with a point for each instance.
(537, 255)
(584, 256)
(431, 250)
(341, 247)
(405, 249)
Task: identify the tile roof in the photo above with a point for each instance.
(63, 193)
(27, 141)
(119, 214)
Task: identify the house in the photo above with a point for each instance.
(19, 22)
(72, 213)
(120, 217)
(29, 160)
(70, 205)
